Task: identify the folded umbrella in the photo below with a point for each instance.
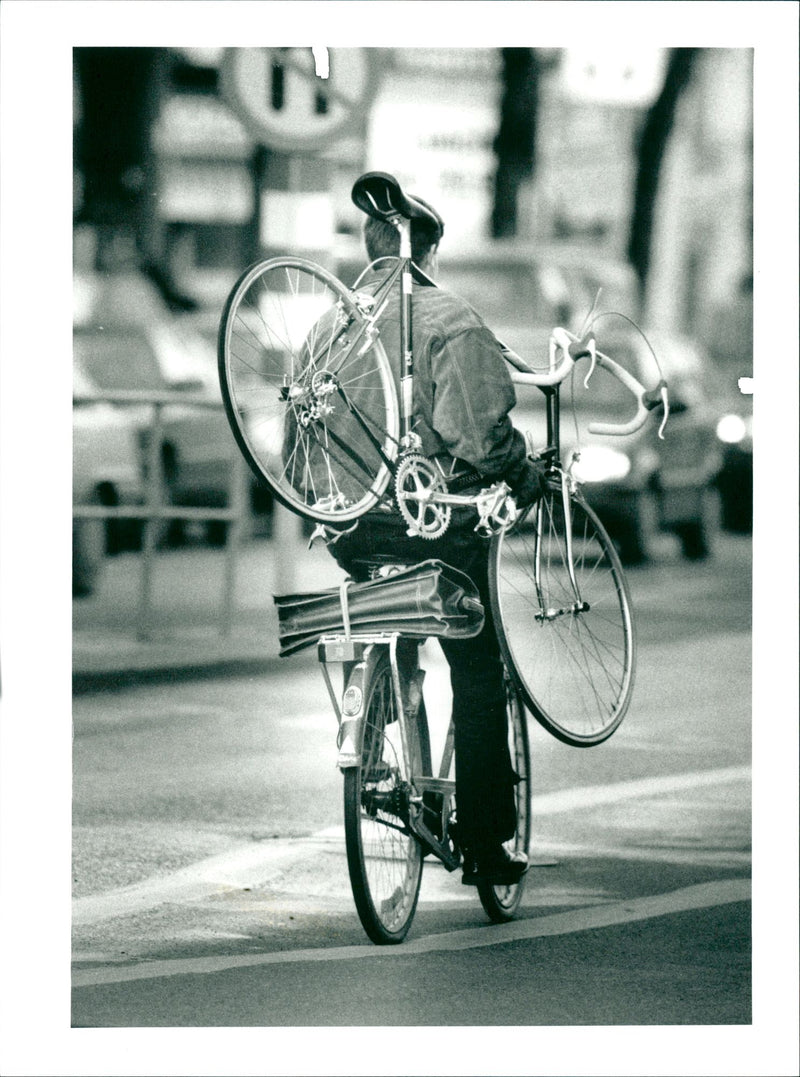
(428, 599)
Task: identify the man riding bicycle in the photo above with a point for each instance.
(462, 397)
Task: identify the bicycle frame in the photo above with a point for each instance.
(402, 272)
(492, 512)
(407, 374)
(491, 503)
(358, 654)
(551, 454)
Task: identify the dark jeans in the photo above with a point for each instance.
(485, 778)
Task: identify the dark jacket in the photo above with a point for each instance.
(462, 387)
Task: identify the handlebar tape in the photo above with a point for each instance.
(580, 349)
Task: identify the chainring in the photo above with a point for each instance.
(416, 483)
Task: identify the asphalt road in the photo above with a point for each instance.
(210, 886)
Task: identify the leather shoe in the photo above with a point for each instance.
(496, 866)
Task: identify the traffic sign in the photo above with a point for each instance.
(293, 99)
(617, 75)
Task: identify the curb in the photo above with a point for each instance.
(172, 668)
(87, 681)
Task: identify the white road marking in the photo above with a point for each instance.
(653, 854)
(256, 863)
(704, 895)
(244, 866)
(567, 800)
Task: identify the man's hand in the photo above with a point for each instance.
(527, 482)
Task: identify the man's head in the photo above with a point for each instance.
(382, 239)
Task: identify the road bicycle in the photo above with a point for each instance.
(325, 419)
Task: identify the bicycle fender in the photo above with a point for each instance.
(353, 711)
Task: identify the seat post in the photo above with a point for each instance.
(406, 374)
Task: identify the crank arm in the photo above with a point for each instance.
(445, 853)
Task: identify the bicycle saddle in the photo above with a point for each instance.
(379, 195)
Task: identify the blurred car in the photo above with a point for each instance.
(197, 448)
(626, 477)
(522, 292)
(730, 341)
(106, 470)
(637, 482)
(735, 478)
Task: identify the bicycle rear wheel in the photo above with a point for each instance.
(571, 656)
(501, 902)
(383, 856)
(308, 391)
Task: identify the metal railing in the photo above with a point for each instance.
(154, 510)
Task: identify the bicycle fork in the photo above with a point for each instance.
(579, 605)
(358, 659)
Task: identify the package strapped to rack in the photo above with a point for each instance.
(428, 599)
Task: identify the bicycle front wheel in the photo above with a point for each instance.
(383, 856)
(501, 902)
(308, 390)
(564, 624)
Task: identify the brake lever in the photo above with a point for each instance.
(592, 349)
(578, 349)
(655, 397)
(665, 401)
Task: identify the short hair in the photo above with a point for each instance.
(382, 239)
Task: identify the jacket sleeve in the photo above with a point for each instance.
(472, 396)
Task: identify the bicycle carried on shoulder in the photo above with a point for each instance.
(325, 419)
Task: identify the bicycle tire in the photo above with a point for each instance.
(384, 858)
(502, 902)
(308, 390)
(573, 666)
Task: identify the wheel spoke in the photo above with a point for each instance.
(289, 343)
(384, 859)
(574, 663)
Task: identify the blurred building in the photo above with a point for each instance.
(434, 122)
(591, 106)
(701, 276)
(435, 119)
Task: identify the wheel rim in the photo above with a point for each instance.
(574, 666)
(508, 897)
(312, 403)
(501, 902)
(385, 859)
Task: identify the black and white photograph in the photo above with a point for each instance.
(424, 672)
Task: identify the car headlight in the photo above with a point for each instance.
(598, 463)
(731, 429)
